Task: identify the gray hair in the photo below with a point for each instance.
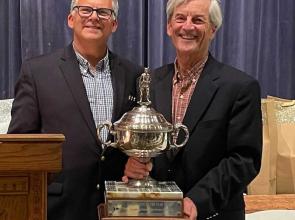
(115, 6)
(215, 13)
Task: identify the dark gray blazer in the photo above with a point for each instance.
(223, 153)
(50, 97)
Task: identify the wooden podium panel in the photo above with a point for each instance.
(25, 160)
(256, 203)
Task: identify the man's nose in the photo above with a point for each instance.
(188, 24)
(95, 15)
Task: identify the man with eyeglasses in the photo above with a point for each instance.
(71, 91)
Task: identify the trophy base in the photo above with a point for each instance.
(148, 182)
(102, 216)
(161, 199)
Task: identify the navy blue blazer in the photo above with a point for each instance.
(50, 97)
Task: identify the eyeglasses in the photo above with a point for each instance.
(102, 13)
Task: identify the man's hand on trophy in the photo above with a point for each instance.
(136, 170)
(189, 209)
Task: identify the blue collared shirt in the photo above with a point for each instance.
(98, 84)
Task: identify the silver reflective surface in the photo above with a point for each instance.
(143, 132)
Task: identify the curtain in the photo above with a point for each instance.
(128, 40)
(160, 49)
(10, 53)
(43, 26)
(257, 36)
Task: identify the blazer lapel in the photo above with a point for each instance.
(162, 98)
(162, 92)
(201, 98)
(119, 84)
(71, 72)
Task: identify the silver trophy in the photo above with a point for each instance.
(143, 133)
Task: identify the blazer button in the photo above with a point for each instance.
(97, 186)
(102, 158)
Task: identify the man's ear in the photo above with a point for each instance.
(71, 21)
(169, 29)
(213, 31)
(115, 25)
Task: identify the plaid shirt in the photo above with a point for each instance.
(98, 84)
(183, 88)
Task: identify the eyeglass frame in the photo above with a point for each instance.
(96, 10)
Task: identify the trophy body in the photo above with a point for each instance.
(143, 133)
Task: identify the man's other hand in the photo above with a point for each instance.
(189, 209)
(136, 170)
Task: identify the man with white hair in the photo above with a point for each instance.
(219, 104)
(71, 91)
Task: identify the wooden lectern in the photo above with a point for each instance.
(25, 161)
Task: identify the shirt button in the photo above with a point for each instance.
(97, 186)
(181, 96)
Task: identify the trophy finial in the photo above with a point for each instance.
(144, 87)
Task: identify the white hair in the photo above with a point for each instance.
(215, 13)
(115, 6)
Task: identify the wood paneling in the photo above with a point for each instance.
(256, 203)
(35, 153)
(25, 161)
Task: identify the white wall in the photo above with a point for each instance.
(5, 116)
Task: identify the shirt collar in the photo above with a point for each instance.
(101, 65)
(191, 73)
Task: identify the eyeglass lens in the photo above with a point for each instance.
(85, 11)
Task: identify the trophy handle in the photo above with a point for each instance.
(176, 130)
(108, 126)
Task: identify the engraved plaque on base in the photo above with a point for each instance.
(162, 199)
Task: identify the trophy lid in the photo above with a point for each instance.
(143, 119)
